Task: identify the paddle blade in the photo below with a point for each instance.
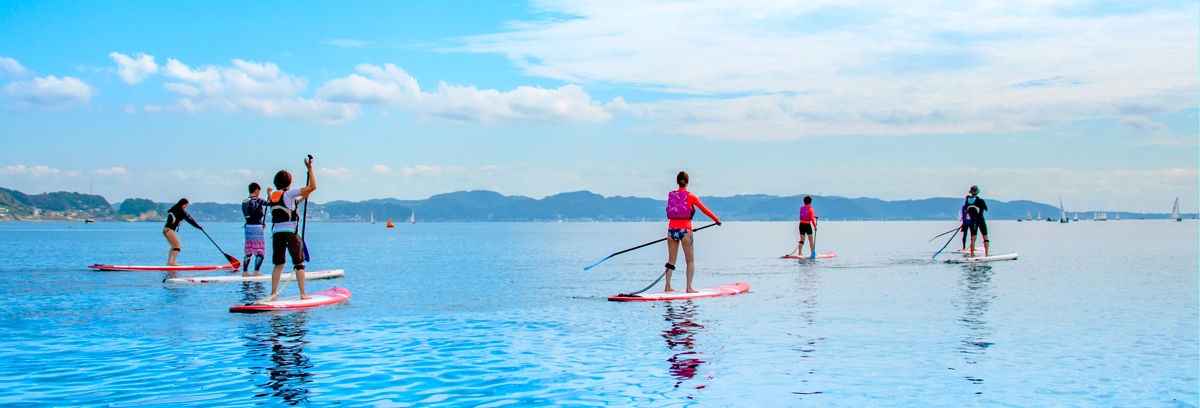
(304, 245)
(233, 261)
(597, 263)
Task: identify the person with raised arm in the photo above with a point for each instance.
(681, 207)
(285, 237)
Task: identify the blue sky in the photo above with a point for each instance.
(1093, 101)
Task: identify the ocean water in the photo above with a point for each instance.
(502, 314)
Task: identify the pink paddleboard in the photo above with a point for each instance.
(160, 267)
(819, 256)
(730, 289)
(322, 298)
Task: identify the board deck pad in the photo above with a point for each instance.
(978, 250)
(968, 259)
(164, 268)
(322, 298)
(723, 290)
(310, 275)
(823, 255)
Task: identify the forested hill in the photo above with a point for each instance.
(481, 205)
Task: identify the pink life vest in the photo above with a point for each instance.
(678, 207)
(806, 214)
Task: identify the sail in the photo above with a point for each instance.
(1175, 211)
(412, 218)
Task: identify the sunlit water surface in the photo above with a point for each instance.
(498, 314)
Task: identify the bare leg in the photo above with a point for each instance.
(300, 280)
(800, 247)
(812, 246)
(246, 265)
(688, 257)
(972, 245)
(672, 253)
(275, 275)
(174, 241)
(986, 244)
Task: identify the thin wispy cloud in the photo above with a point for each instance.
(346, 43)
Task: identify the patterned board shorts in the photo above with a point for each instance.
(677, 234)
(256, 244)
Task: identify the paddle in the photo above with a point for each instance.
(944, 233)
(232, 261)
(304, 223)
(947, 243)
(640, 246)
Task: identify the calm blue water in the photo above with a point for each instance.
(498, 314)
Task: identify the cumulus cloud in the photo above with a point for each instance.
(339, 173)
(49, 92)
(1140, 123)
(35, 172)
(393, 86)
(249, 88)
(134, 70)
(11, 68)
(379, 168)
(783, 70)
(430, 170)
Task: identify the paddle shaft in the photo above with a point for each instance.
(304, 222)
(642, 246)
(947, 232)
(232, 261)
(947, 243)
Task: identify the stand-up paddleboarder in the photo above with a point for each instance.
(680, 210)
(975, 209)
(175, 216)
(254, 209)
(285, 237)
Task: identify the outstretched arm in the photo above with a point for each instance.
(312, 180)
(696, 202)
(188, 217)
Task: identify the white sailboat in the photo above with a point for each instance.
(1099, 216)
(1118, 216)
(412, 218)
(1076, 217)
(1062, 219)
(1175, 211)
(1039, 215)
(372, 217)
(1028, 217)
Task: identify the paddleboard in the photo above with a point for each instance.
(311, 275)
(322, 298)
(968, 259)
(160, 267)
(819, 256)
(978, 250)
(730, 289)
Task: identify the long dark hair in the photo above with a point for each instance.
(178, 205)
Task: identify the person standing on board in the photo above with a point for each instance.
(285, 237)
(965, 227)
(808, 218)
(975, 209)
(680, 210)
(254, 210)
(175, 216)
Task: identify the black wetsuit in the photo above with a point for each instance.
(975, 211)
(177, 216)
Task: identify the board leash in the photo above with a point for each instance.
(631, 294)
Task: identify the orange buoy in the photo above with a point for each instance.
(389, 224)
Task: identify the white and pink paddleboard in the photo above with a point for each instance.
(978, 250)
(823, 255)
(969, 259)
(730, 289)
(310, 275)
(161, 267)
(322, 298)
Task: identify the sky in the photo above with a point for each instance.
(1091, 101)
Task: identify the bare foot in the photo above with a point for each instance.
(245, 275)
(690, 290)
(173, 264)
(256, 274)
(305, 297)
(668, 289)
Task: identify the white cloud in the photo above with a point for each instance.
(346, 43)
(73, 173)
(783, 70)
(250, 88)
(379, 168)
(390, 85)
(133, 70)
(430, 170)
(11, 68)
(50, 92)
(35, 172)
(130, 109)
(339, 173)
(1140, 123)
(112, 171)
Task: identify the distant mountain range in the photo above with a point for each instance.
(482, 206)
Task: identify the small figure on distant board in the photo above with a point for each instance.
(681, 207)
(175, 216)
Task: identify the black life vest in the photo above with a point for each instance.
(279, 211)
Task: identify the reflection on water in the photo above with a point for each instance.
(976, 297)
(681, 338)
(278, 342)
(806, 291)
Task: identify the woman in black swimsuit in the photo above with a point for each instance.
(175, 216)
